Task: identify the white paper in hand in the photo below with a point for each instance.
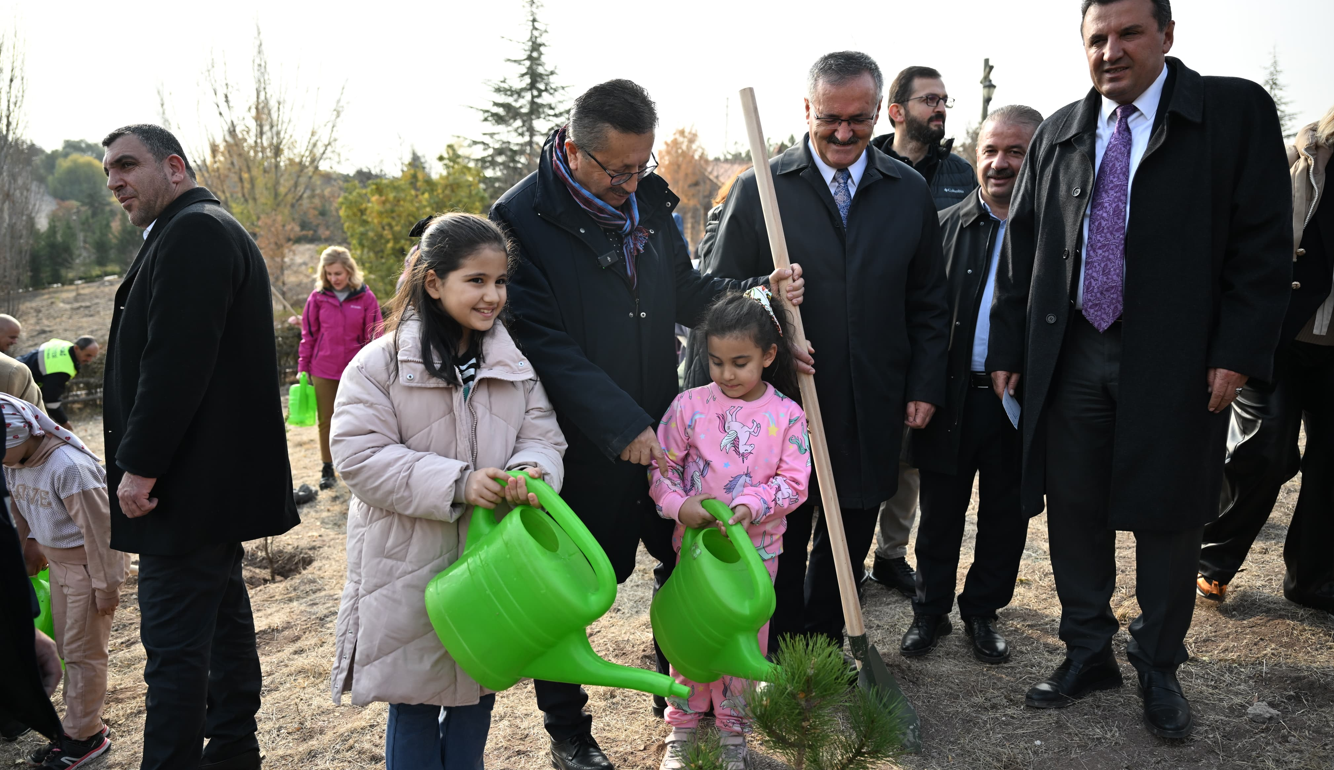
(1011, 408)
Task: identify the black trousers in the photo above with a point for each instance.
(789, 618)
(1263, 455)
(203, 671)
(562, 704)
(1080, 423)
(989, 447)
(807, 597)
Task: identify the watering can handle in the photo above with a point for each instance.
(568, 520)
(303, 379)
(738, 535)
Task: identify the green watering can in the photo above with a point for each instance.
(518, 601)
(41, 585)
(301, 408)
(45, 621)
(708, 615)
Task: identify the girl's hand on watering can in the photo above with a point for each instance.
(693, 515)
(517, 492)
(742, 515)
(482, 489)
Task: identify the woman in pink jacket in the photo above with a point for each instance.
(427, 418)
(341, 316)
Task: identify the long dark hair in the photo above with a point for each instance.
(448, 240)
(736, 315)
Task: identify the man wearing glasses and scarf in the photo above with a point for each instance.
(603, 278)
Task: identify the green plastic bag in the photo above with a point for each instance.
(41, 584)
(301, 408)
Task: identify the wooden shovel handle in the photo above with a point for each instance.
(833, 516)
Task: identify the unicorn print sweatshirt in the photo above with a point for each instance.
(753, 453)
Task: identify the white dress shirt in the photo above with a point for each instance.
(1141, 128)
(149, 229)
(855, 171)
(983, 330)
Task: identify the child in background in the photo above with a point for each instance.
(427, 417)
(741, 441)
(342, 315)
(59, 494)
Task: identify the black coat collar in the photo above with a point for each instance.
(797, 159)
(188, 198)
(1183, 92)
(554, 201)
(971, 210)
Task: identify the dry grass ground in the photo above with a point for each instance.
(1257, 646)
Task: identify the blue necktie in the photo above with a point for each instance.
(842, 194)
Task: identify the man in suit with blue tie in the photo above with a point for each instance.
(1144, 279)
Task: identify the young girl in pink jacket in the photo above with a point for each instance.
(427, 418)
(741, 441)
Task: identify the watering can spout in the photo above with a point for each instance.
(741, 658)
(573, 659)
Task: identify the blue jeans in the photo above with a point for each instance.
(432, 738)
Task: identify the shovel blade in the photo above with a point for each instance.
(874, 674)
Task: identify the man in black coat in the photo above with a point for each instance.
(918, 105)
(1135, 312)
(972, 436)
(603, 278)
(1266, 425)
(864, 227)
(191, 396)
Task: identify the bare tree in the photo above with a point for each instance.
(18, 196)
(262, 160)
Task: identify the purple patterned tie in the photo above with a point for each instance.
(1104, 270)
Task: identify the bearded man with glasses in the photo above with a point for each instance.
(603, 277)
(918, 105)
(864, 227)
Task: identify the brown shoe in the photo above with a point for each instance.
(1212, 590)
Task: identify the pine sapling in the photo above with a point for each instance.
(814, 719)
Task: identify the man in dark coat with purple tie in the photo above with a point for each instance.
(1144, 279)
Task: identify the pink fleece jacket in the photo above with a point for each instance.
(332, 332)
(753, 453)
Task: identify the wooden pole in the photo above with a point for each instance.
(810, 402)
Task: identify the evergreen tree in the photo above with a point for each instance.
(525, 108)
(1273, 83)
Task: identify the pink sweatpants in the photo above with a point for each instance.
(727, 696)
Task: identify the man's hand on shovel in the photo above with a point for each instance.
(795, 291)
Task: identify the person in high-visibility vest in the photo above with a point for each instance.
(53, 365)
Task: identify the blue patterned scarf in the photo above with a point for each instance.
(624, 220)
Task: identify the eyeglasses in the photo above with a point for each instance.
(931, 100)
(858, 123)
(623, 177)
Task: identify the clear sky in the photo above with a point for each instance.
(413, 69)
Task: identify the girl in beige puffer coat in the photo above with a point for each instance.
(427, 417)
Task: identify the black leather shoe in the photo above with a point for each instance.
(896, 574)
(1072, 681)
(924, 634)
(579, 752)
(1320, 599)
(988, 645)
(1166, 710)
